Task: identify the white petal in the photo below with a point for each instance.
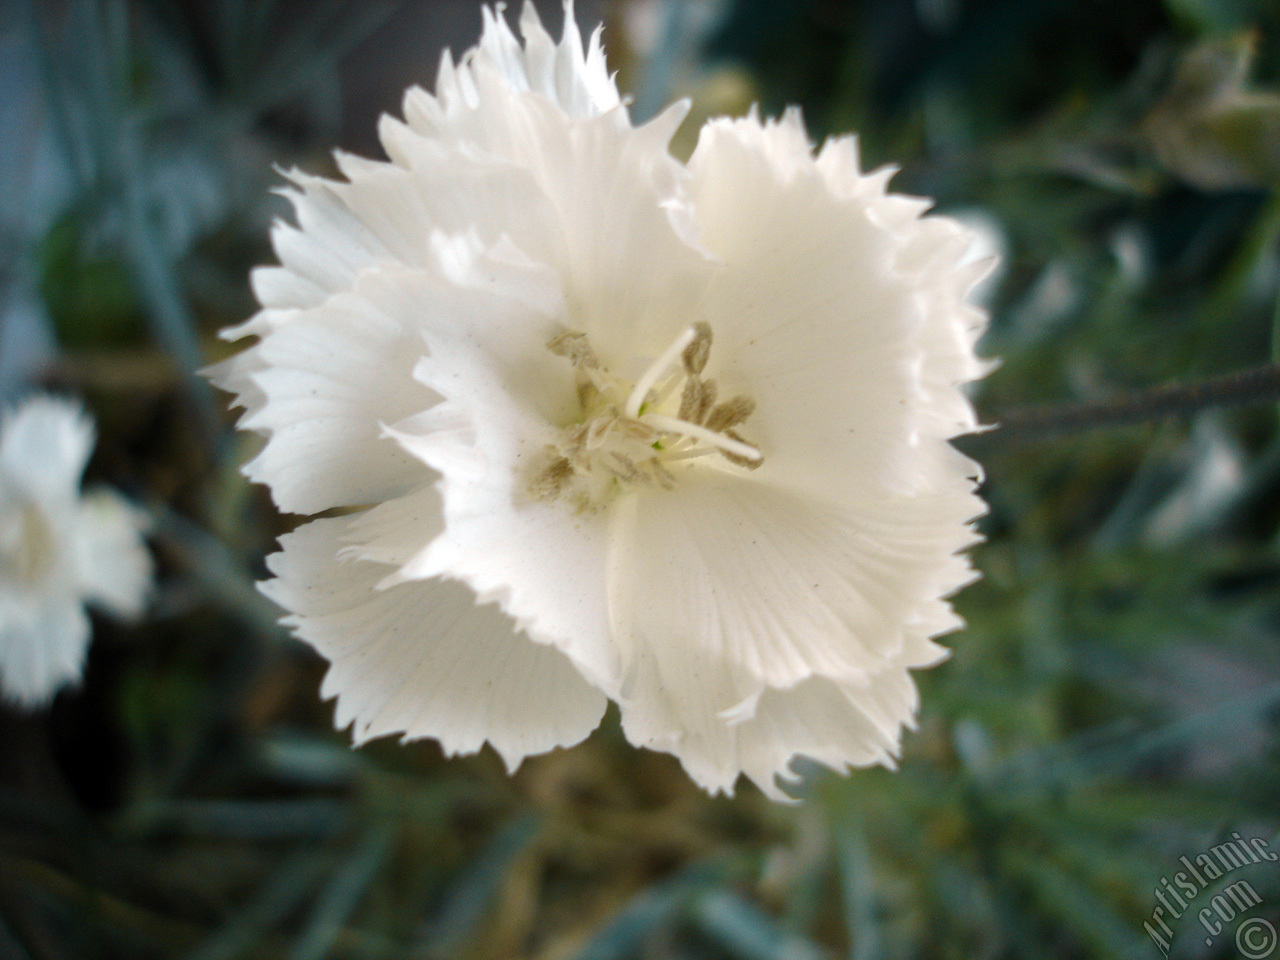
(528, 143)
(492, 306)
(279, 288)
(329, 382)
(582, 85)
(42, 647)
(610, 219)
(574, 80)
(632, 252)
(839, 725)
(395, 532)
(422, 658)
(776, 587)
(823, 721)
(323, 254)
(44, 447)
(235, 376)
(437, 188)
(724, 593)
(112, 562)
(851, 335)
(505, 396)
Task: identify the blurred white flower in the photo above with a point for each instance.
(606, 426)
(58, 550)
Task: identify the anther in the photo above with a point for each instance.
(548, 484)
(696, 353)
(576, 440)
(696, 399)
(574, 345)
(624, 468)
(750, 463)
(730, 413)
(624, 439)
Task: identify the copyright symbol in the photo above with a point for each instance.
(1255, 938)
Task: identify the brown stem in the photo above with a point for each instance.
(1255, 385)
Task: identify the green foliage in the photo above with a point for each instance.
(89, 294)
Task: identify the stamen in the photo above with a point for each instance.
(615, 446)
(706, 401)
(656, 371)
(587, 390)
(691, 453)
(624, 468)
(698, 351)
(548, 484)
(749, 462)
(574, 345)
(727, 444)
(730, 413)
(697, 399)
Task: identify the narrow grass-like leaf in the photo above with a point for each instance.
(652, 910)
(1080, 910)
(1275, 330)
(316, 45)
(745, 931)
(858, 895)
(293, 757)
(254, 820)
(220, 573)
(92, 86)
(343, 893)
(472, 893)
(96, 909)
(653, 90)
(288, 886)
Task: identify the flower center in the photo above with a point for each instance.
(26, 545)
(631, 434)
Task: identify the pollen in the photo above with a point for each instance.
(633, 434)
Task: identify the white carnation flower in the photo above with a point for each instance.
(607, 426)
(58, 550)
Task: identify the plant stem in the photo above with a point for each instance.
(1255, 385)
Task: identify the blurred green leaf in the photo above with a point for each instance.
(859, 898)
(245, 819)
(342, 894)
(744, 930)
(297, 59)
(654, 910)
(291, 883)
(88, 292)
(1210, 128)
(1087, 916)
(309, 761)
(470, 895)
